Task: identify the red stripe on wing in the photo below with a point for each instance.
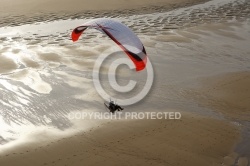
(140, 65)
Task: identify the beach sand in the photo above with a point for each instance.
(202, 71)
(22, 12)
(30, 6)
(193, 140)
(228, 93)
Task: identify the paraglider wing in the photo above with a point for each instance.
(121, 35)
(77, 32)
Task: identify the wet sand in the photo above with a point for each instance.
(193, 140)
(228, 93)
(22, 12)
(30, 6)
